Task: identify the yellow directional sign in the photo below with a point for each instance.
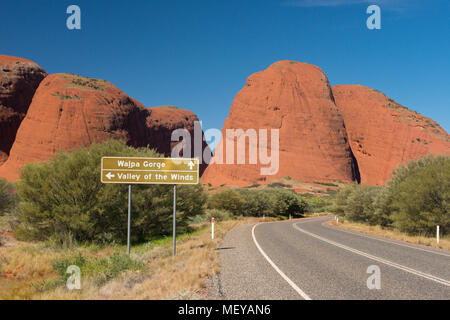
(150, 170)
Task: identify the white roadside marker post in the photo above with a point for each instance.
(437, 234)
(212, 228)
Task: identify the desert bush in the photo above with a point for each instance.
(319, 204)
(402, 172)
(416, 199)
(286, 202)
(273, 202)
(359, 204)
(63, 200)
(257, 203)
(218, 215)
(382, 203)
(228, 199)
(7, 197)
(279, 185)
(340, 201)
(329, 184)
(8, 206)
(100, 269)
(255, 185)
(420, 194)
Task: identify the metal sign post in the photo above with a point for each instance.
(174, 219)
(129, 220)
(128, 170)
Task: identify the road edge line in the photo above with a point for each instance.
(387, 240)
(281, 273)
(381, 260)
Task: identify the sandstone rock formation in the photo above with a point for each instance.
(345, 133)
(384, 134)
(19, 79)
(295, 98)
(70, 111)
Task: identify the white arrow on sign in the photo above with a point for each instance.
(191, 165)
(110, 175)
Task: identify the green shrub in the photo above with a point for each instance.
(273, 202)
(328, 184)
(100, 269)
(228, 199)
(421, 195)
(340, 201)
(257, 203)
(218, 215)
(7, 197)
(382, 204)
(200, 218)
(416, 200)
(359, 204)
(287, 202)
(279, 185)
(60, 266)
(319, 204)
(64, 200)
(256, 185)
(8, 206)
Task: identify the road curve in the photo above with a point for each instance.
(304, 259)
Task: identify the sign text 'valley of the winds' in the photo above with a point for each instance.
(150, 170)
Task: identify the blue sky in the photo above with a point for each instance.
(198, 54)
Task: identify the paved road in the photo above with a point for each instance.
(304, 259)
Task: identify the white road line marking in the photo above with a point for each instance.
(386, 240)
(281, 273)
(387, 262)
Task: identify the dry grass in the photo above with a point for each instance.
(20, 266)
(444, 243)
(26, 269)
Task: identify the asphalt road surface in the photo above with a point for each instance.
(304, 259)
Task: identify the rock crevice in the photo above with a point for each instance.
(19, 79)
